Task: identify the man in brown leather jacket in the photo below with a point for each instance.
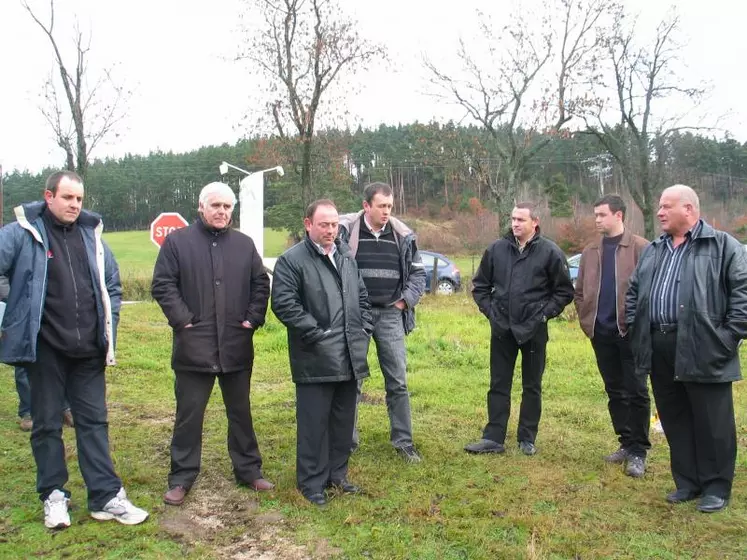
(604, 272)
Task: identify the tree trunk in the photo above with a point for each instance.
(306, 172)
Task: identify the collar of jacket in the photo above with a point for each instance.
(211, 230)
(625, 240)
(400, 228)
(32, 211)
(512, 238)
(340, 247)
(706, 231)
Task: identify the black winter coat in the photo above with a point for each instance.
(711, 312)
(326, 311)
(214, 280)
(520, 291)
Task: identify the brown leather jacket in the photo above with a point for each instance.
(586, 293)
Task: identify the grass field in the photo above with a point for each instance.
(564, 503)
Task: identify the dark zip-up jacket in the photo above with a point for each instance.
(711, 311)
(69, 320)
(327, 313)
(215, 280)
(411, 266)
(518, 291)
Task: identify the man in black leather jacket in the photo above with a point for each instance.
(686, 308)
(319, 295)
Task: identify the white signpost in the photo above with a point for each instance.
(252, 206)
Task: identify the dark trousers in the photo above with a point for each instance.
(51, 377)
(628, 400)
(698, 421)
(503, 353)
(192, 392)
(325, 417)
(23, 388)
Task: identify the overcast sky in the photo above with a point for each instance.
(176, 56)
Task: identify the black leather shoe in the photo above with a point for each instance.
(710, 504)
(485, 446)
(682, 495)
(318, 499)
(346, 487)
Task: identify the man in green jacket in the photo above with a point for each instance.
(318, 294)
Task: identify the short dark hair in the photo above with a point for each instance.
(614, 201)
(372, 189)
(53, 181)
(311, 208)
(531, 206)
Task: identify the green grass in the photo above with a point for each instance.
(563, 503)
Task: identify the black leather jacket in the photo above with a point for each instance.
(712, 309)
(326, 311)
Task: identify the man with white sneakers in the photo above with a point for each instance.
(60, 324)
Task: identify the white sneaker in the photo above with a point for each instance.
(121, 509)
(55, 511)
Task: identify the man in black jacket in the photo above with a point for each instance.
(521, 283)
(211, 284)
(319, 295)
(686, 308)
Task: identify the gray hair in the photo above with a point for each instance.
(216, 188)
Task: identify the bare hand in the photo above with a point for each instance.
(188, 326)
(401, 305)
(247, 325)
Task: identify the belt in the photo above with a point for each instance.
(664, 328)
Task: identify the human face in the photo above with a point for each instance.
(67, 202)
(323, 225)
(675, 216)
(608, 223)
(379, 210)
(217, 210)
(522, 224)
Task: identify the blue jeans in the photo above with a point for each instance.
(24, 392)
(389, 337)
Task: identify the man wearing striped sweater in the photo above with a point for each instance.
(390, 265)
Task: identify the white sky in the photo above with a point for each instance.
(177, 57)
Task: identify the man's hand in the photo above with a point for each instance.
(401, 305)
(188, 326)
(247, 325)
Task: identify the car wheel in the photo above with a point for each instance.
(445, 288)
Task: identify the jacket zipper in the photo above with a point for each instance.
(75, 285)
(599, 292)
(617, 311)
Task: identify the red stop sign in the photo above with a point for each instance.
(164, 224)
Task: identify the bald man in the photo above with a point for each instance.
(686, 309)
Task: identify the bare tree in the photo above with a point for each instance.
(651, 107)
(523, 89)
(90, 111)
(303, 48)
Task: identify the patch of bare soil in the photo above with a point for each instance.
(370, 398)
(215, 508)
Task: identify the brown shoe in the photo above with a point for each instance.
(26, 423)
(262, 485)
(175, 496)
(67, 418)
